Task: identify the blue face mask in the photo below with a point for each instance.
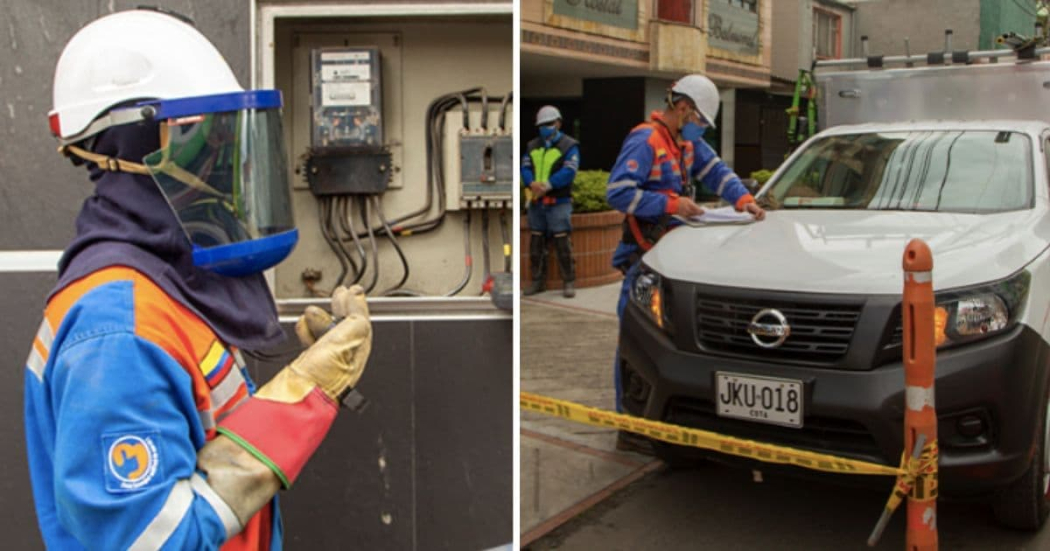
(692, 131)
(547, 131)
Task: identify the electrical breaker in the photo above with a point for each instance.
(347, 153)
(479, 163)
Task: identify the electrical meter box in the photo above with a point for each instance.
(347, 97)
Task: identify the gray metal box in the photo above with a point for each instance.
(486, 168)
(1004, 90)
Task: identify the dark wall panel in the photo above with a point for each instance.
(464, 429)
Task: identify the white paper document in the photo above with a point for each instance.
(723, 215)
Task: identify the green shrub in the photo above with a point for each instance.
(588, 191)
(761, 176)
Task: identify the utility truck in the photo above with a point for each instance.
(788, 330)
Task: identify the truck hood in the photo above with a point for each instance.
(854, 251)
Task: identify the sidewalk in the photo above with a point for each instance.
(567, 351)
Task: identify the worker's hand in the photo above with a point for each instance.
(335, 362)
(758, 212)
(538, 189)
(688, 208)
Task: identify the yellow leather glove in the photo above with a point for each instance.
(336, 353)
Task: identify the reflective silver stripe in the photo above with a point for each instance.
(207, 420)
(167, 520)
(45, 334)
(722, 184)
(232, 408)
(238, 358)
(620, 184)
(35, 363)
(226, 515)
(634, 202)
(707, 168)
(226, 389)
(919, 277)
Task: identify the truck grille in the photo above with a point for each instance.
(819, 332)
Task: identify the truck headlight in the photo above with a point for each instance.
(967, 315)
(647, 293)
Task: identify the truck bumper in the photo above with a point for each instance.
(988, 398)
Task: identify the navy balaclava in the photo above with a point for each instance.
(127, 222)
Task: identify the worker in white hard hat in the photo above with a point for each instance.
(143, 427)
(651, 182)
(548, 169)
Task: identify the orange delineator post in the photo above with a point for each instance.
(920, 417)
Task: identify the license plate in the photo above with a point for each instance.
(761, 399)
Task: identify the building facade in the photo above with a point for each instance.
(607, 63)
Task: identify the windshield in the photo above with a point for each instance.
(972, 171)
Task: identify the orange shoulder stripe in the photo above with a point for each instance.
(158, 319)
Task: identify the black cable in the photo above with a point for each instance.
(375, 247)
(468, 262)
(504, 231)
(346, 221)
(484, 110)
(338, 208)
(324, 217)
(485, 243)
(436, 109)
(503, 110)
(393, 241)
(466, 110)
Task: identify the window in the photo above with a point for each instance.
(679, 11)
(965, 171)
(827, 34)
(749, 5)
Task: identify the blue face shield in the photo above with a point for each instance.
(221, 167)
(693, 132)
(547, 131)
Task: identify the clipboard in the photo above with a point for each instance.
(724, 216)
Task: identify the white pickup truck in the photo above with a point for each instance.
(789, 330)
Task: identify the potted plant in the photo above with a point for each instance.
(596, 230)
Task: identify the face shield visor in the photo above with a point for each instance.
(222, 169)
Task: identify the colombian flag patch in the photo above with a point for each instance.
(216, 363)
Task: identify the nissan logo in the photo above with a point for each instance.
(769, 328)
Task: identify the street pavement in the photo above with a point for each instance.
(577, 492)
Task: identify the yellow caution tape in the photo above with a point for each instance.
(697, 438)
(506, 249)
(916, 476)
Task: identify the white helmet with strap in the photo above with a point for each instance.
(219, 144)
(702, 92)
(131, 55)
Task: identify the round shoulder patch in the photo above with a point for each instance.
(131, 461)
(631, 165)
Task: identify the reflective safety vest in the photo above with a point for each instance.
(547, 161)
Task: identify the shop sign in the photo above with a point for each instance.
(616, 13)
(732, 28)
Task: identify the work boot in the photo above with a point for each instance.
(635, 443)
(563, 248)
(538, 264)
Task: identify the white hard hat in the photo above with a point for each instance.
(703, 92)
(547, 114)
(132, 55)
